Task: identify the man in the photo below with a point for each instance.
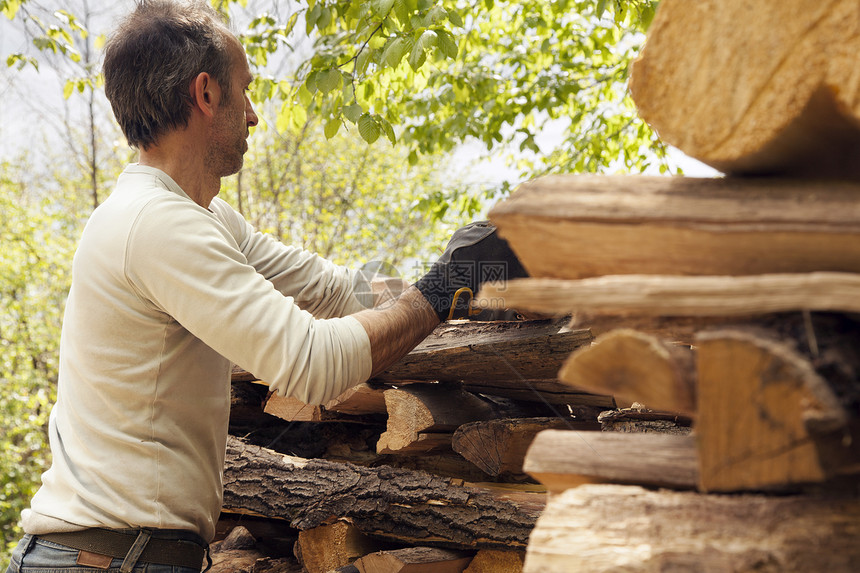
(170, 287)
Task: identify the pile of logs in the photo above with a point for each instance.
(693, 404)
(420, 467)
(732, 301)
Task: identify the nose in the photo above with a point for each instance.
(250, 114)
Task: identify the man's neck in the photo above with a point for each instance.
(185, 165)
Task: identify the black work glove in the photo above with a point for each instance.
(474, 255)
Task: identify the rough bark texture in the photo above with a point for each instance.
(489, 351)
(755, 87)
(601, 225)
(603, 528)
(385, 502)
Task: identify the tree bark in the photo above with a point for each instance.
(384, 502)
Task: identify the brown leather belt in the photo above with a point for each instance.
(163, 547)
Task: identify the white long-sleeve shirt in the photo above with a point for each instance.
(165, 296)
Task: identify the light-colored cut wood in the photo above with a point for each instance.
(292, 409)
(492, 561)
(636, 367)
(578, 226)
(671, 295)
(561, 459)
(499, 446)
(415, 560)
(602, 528)
(331, 546)
(756, 399)
(755, 87)
(359, 400)
(422, 408)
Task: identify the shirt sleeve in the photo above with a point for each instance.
(186, 263)
(317, 285)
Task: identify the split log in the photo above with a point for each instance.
(755, 87)
(561, 459)
(599, 528)
(636, 367)
(545, 392)
(384, 502)
(623, 225)
(492, 561)
(359, 400)
(415, 560)
(670, 295)
(766, 419)
(499, 447)
(328, 547)
(421, 417)
(489, 351)
(293, 409)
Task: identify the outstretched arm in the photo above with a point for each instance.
(396, 329)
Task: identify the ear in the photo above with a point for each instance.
(205, 94)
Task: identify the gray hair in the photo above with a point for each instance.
(151, 60)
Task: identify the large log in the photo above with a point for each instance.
(601, 528)
(766, 418)
(385, 502)
(610, 225)
(328, 547)
(755, 87)
(562, 459)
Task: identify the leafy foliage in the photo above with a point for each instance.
(35, 265)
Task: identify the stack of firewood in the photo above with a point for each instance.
(731, 301)
(420, 467)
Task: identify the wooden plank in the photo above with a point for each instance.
(415, 560)
(672, 295)
(635, 367)
(623, 225)
(561, 459)
(388, 503)
(750, 88)
(499, 447)
(766, 418)
(597, 528)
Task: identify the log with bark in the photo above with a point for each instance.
(499, 447)
(384, 502)
(755, 87)
(422, 417)
(611, 225)
(598, 528)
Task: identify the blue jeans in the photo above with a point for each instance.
(33, 555)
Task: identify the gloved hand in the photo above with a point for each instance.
(474, 255)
